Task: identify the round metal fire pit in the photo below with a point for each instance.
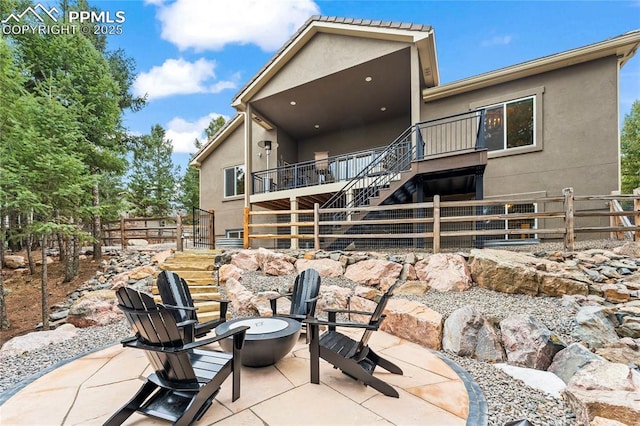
(267, 340)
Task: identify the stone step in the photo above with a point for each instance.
(196, 290)
(190, 266)
(188, 275)
(208, 316)
(199, 281)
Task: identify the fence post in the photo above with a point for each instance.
(316, 226)
(123, 237)
(245, 234)
(179, 242)
(636, 209)
(293, 203)
(212, 229)
(436, 223)
(569, 237)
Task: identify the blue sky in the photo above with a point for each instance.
(193, 56)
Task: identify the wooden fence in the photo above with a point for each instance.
(155, 230)
(475, 223)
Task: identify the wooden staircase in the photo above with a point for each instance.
(196, 267)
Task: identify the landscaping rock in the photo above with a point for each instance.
(625, 351)
(95, 308)
(528, 343)
(14, 261)
(373, 272)
(445, 272)
(460, 333)
(594, 327)
(571, 359)
(415, 322)
(247, 260)
(38, 339)
(325, 267)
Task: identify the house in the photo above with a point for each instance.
(347, 100)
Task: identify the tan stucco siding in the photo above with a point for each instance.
(311, 63)
(228, 212)
(579, 131)
(354, 139)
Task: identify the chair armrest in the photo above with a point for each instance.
(347, 311)
(210, 340)
(274, 302)
(185, 308)
(317, 322)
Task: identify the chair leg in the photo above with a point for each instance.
(314, 352)
(384, 363)
(355, 370)
(132, 406)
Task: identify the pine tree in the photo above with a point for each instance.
(630, 147)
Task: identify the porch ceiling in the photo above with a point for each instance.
(343, 100)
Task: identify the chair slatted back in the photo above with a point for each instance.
(154, 325)
(376, 316)
(175, 291)
(305, 287)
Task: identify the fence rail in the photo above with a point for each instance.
(437, 224)
(152, 229)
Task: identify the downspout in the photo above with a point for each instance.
(416, 97)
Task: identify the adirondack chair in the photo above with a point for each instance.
(356, 359)
(175, 293)
(186, 378)
(304, 296)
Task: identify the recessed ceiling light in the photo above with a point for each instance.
(292, 102)
(383, 108)
(368, 78)
(317, 126)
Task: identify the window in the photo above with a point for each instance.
(234, 181)
(510, 124)
(516, 223)
(234, 233)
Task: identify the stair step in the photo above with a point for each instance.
(207, 307)
(187, 275)
(191, 266)
(208, 316)
(199, 281)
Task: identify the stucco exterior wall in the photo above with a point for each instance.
(311, 62)
(579, 132)
(354, 139)
(228, 211)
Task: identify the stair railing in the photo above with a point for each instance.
(445, 135)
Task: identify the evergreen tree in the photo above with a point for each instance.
(190, 182)
(630, 147)
(152, 184)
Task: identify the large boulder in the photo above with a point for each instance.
(625, 351)
(13, 261)
(528, 342)
(37, 340)
(467, 333)
(445, 272)
(415, 322)
(605, 389)
(593, 327)
(513, 272)
(241, 299)
(571, 359)
(325, 267)
(96, 308)
(247, 260)
(373, 272)
(333, 297)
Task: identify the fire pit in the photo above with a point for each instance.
(267, 340)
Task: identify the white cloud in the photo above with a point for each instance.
(210, 25)
(497, 40)
(183, 133)
(180, 77)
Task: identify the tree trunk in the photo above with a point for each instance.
(97, 231)
(68, 266)
(4, 321)
(45, 293)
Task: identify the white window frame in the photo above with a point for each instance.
(234, 233)
(235, 175)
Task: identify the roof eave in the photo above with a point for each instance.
(624, 47)
(216, 140)
(314, 27)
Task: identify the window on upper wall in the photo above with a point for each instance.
(234, 181)
(510, 124)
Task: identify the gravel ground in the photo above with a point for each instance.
(507, 398)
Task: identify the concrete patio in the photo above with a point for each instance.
(433, 391)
